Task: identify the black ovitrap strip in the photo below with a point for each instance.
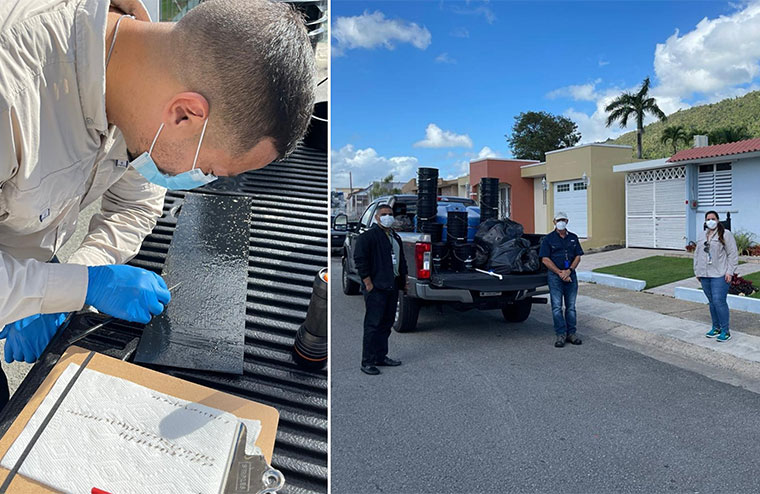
(203, 327)
(45, 422)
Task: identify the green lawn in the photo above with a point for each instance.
(655, 270)
(755, 279)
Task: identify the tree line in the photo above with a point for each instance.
(535, 133)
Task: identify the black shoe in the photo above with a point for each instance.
(571, 338)
(388, 362)
(370, 370)
(560, 341)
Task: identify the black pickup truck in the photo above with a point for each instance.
(513, 294)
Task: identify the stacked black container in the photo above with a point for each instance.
(427, 211)
(489, 198)
(456, 236)
(427, 200)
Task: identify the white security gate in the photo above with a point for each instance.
(504, 201)
(655, 208)
(570, 198)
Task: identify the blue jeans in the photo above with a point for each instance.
(559, 290)
(716, 291)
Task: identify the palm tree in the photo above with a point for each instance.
(725, 135)
(673, 134)
(638, 105)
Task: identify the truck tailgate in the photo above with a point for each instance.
(485, 283)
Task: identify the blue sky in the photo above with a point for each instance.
(429, 83)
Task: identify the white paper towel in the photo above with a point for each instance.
(125, 438)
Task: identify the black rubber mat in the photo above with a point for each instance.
(287, 246)
(203, 327)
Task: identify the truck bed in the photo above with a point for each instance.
(287, 247)
(473, 280)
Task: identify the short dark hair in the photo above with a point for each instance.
(253, 61)
(383, 206)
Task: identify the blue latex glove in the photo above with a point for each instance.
(126, 292)
(26, 339)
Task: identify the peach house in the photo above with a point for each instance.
(515, 192)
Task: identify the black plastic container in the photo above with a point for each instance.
(441, 256)
(489, 198)
(435, 230)
(310, 347)
(462, 256)
(456, 226)
(427, 195)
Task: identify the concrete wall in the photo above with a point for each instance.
(606, 190)
(539, 208)
(463, 183)
(521, 189)
(745, 195)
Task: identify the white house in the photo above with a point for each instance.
(666, 199)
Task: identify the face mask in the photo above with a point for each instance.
(561, 225)
(145, 165)
(712, 224)
(387, 221)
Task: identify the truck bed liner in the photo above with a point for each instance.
(270, 376)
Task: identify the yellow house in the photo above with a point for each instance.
(579, 181)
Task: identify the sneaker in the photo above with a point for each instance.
(560, 342)
(572, 338)
(713, 332)
(724, 336)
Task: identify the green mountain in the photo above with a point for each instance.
(731, 112)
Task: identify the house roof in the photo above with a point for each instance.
(591, 144)
(641, 165)
(730, 149)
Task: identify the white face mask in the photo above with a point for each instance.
(561, 225)
(711, 224)
(387, 221)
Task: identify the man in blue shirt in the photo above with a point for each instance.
(561, 253)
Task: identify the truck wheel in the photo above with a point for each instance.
(407, 311)
(517, 312)
(350, 287)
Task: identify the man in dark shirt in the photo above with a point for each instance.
(561, 253)
(380, 262)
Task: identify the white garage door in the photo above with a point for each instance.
(570, 198)
(656, 211)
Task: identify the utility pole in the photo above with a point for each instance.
(351, 192)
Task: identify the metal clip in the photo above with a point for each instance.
(250, 474)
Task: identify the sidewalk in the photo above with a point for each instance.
(658, 305)
(670, 330)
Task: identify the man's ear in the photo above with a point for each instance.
(186, 110)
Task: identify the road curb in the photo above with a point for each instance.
(746, 304)
(612, 280)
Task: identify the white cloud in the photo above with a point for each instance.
(603, 62)
(460, 32)
(373, 30)
(718, 54)
(445, 58)
(718, 59)
(365, 166)
(581, 92)
(486, 152)
(435, 137)
(480, 10)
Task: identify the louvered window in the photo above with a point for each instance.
(715, 185)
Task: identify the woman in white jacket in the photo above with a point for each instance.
(715, 261)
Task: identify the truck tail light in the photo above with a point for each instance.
(422, 254)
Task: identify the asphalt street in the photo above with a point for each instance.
(480, 405)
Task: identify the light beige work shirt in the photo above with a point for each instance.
(58, 154)
(725, 259)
